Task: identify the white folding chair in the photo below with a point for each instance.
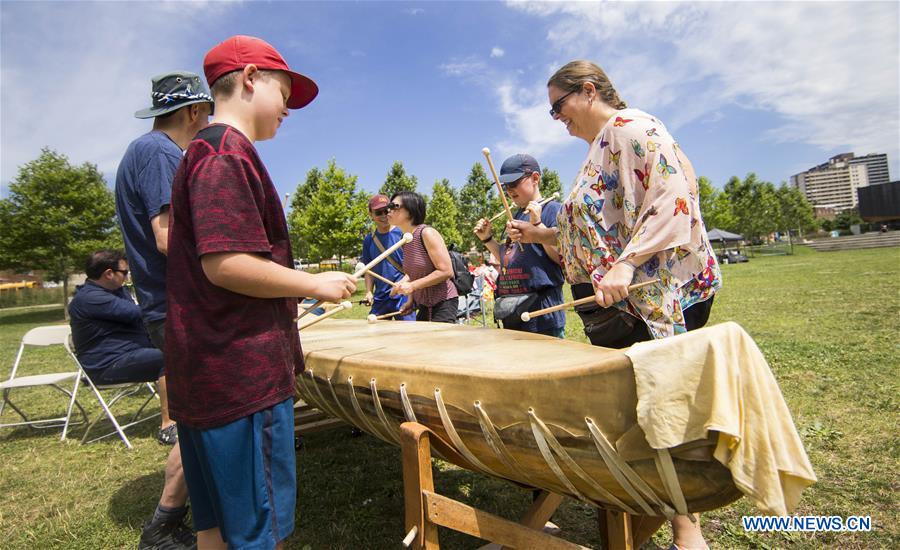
(43, 337)
(121, 390)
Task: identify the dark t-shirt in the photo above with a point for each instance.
(106, 324)
(143, 189)
(227, 355)
(532, 270)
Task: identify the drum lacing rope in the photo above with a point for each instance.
(362, 416)
(543, 436)
(669, 477)
(454, 437)
(389, 428)
(496, 443)
(323, 403)
(633, 484)
(407, 405)
(344, 413)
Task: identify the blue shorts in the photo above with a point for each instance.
(242, 477)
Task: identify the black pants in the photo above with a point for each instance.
(441, 312)
(611, 327)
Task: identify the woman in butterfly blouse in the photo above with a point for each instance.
(633, 215)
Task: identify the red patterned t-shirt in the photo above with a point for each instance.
(227, 355)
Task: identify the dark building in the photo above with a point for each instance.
(880, 203)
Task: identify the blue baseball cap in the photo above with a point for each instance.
(517, 166)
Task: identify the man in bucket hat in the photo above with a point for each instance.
(181, 105)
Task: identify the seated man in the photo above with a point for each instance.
(110, 340)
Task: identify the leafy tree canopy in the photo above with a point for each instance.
(55, 215)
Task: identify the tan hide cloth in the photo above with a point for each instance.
(691, 383)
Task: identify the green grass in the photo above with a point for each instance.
(827, 323)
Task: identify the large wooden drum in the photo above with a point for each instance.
(535, 410)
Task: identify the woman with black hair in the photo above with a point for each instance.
(426, 262)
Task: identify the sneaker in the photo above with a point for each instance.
(168, 435)
(167, 535)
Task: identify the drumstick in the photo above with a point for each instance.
(376, 275)
(509, 216)
(327, 305)
(529, 315)
(372, 318)
(552, 197)
(407, 237)
(344, 305)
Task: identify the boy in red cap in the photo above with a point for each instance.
(232, 346)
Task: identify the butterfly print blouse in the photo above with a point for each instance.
(636, 194)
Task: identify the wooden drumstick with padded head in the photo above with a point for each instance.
(372, 318)
(407, 237)
(344, 305)
(529, 315)
(509, 216)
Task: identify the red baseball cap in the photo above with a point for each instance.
(237, 52)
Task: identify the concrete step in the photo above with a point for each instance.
(853, 242)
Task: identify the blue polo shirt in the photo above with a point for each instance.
(382, 301)
(530, 269)
(106, 324)
(143, 190)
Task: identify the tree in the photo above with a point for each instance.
(55, 216)
(796, 212)
(397, 180)
(443, 213)
(477, 199)
(550, 183)
(847, 218)
(333, 220)
(715, 207)
(302, 198)
(754, 205)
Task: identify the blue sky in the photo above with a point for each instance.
(771, 88)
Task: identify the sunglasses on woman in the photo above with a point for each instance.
(557, 105)
(393, 206)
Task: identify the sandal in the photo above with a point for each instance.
(168, 435)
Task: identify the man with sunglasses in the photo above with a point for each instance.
(378, 293)
(530, 276)
(110, 339)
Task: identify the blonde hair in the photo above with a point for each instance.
(225, 85)
(574, 74)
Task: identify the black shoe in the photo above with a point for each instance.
(167, 435)
(167, 535)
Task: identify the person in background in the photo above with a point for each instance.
(426, 262)
(378, 292)
(530, 277)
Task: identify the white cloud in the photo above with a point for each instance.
(414, 11)
(829, 70)
(497, 52)
(74, 87)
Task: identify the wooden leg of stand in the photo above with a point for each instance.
(541, 510)
(417, 478)
(621, 531)
(615, 530)
(536, 516)
(643, 527)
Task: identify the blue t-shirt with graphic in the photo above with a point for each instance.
(143, 190)
(382, 301)
(530, 269)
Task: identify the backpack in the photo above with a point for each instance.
(463, 279)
